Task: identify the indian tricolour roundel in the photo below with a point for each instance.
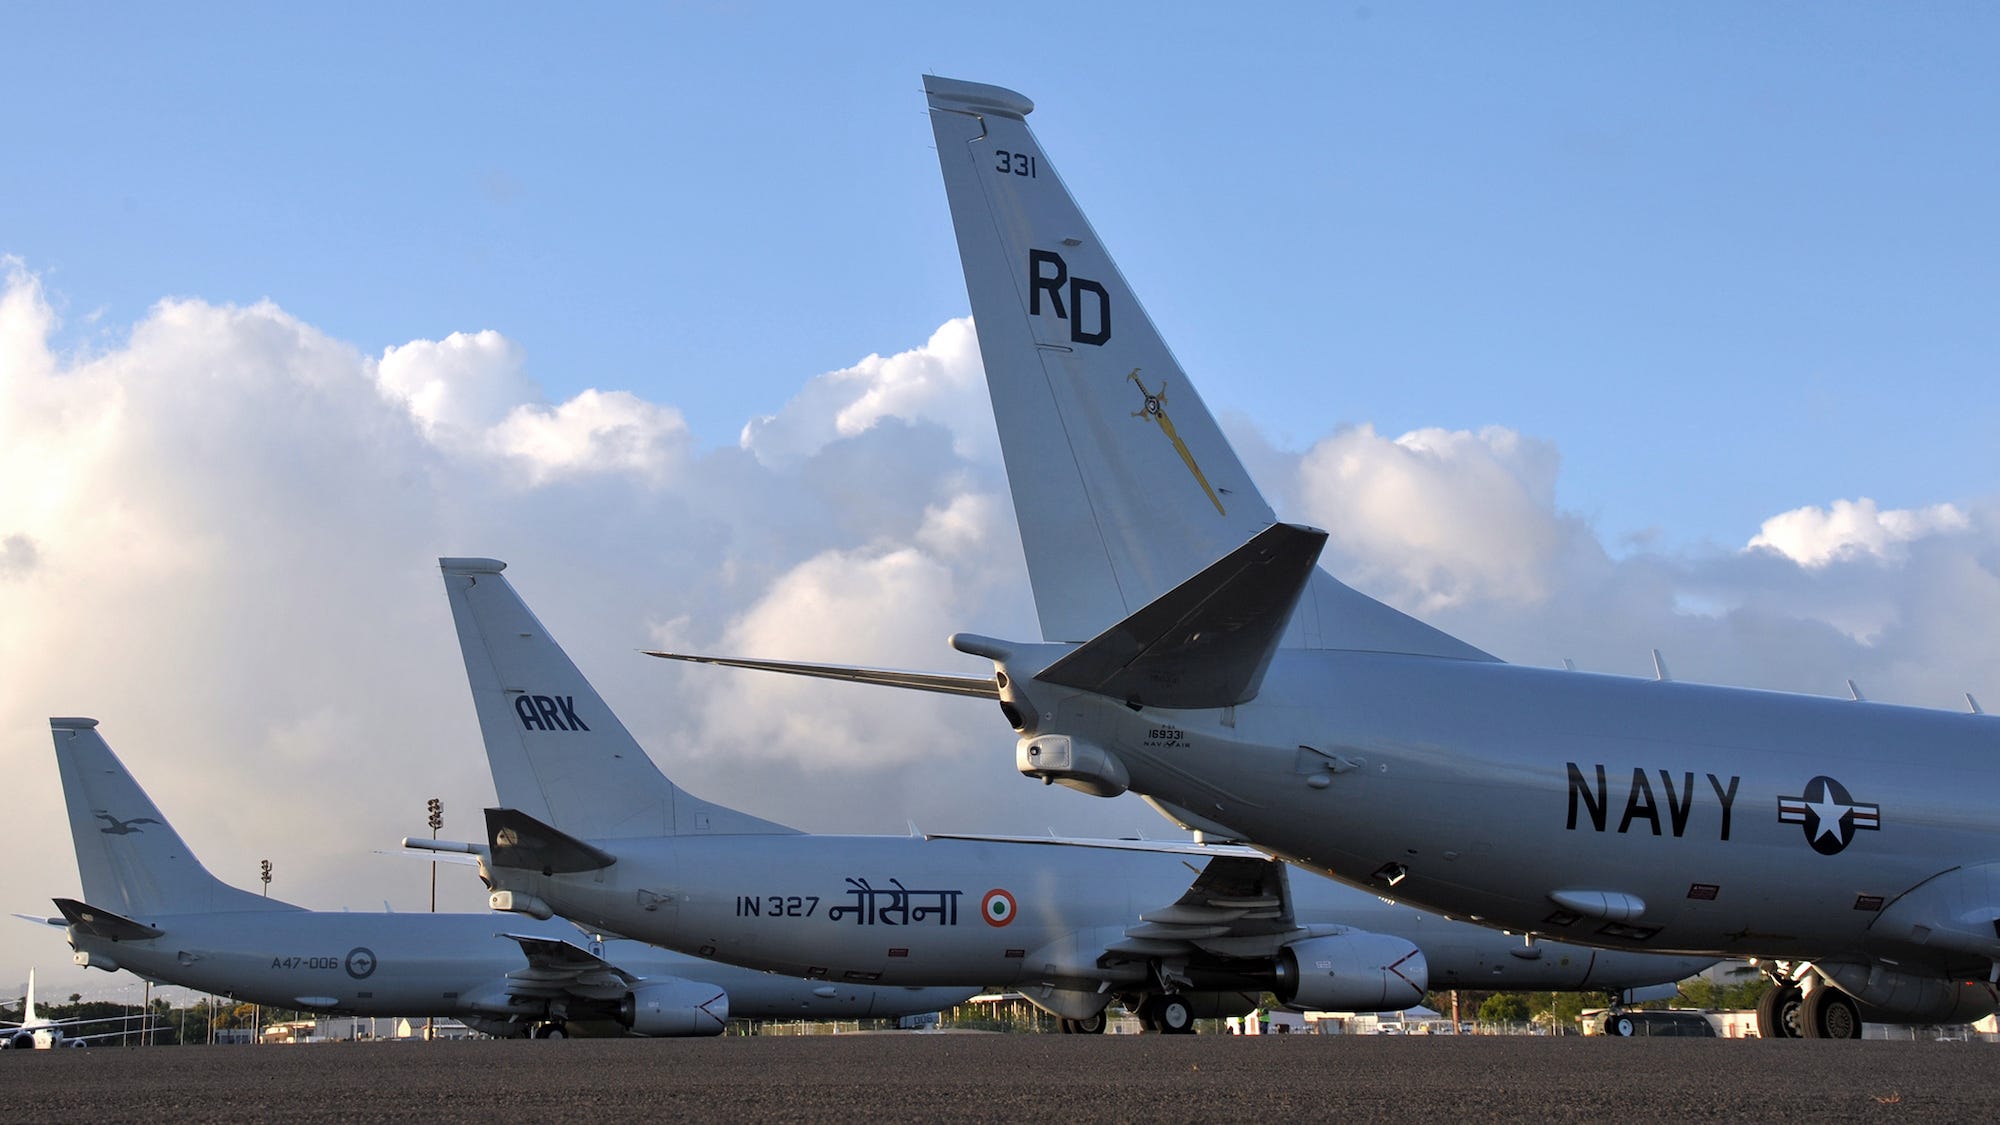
(997, 907)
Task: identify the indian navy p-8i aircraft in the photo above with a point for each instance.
(152, 908)
(1194, 653)
(594, 831)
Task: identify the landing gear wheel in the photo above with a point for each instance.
(1088, 1025)
(1778, 1012)
(1621, 1025)
(1828, 1013)
(554, 1029)
(1148, 1011)
(1176, 1015)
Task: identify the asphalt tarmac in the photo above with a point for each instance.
(975, 1077)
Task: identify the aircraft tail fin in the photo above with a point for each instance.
(557, 752)
(1207, 642)
(1123, 482)
(28, 1017)
(130, 859)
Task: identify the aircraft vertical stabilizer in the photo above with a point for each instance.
(557, 752)
(130, 859)
(1123, 483)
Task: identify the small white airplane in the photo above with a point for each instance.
(1194, 653)
(592, 830)
(39, 1034)
(151, 907)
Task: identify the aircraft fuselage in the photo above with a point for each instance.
(1662, 815)
(914, 911)
(371, 964)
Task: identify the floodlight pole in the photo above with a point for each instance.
(257, 1010)
(436, 810)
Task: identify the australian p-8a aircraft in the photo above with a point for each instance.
(152, 908)
(1195, 654)
(592, 830)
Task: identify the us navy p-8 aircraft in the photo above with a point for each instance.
(152, 908)
(1195, 654)
(594, 831)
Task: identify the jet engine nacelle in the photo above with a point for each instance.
(19, 1041)
(1058, 759)
(674, 1007)
(1889, 996)
(1355, 972)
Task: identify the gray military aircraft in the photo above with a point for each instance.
(154, 909)
(36, 1032)
(594, 831)
(1204, 661)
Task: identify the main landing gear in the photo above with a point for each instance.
(1828, 1013)
(1168, 1014)
(1778, 1012)
(1802, 1005)
(1620, 1025)
(1088, 1025)
(552, 1029)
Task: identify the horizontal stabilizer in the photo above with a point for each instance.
(1206, 642)
(978, 687)
(103, 923)
(524, 843)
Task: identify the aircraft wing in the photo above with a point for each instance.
(137, 1031)
(1170, 847)
(1238, 907)
(557, 967)
(978, 687)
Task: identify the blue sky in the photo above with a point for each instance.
(1634, 326)
(1732, 258)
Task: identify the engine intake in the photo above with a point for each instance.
(1354, 972)
(674, 1007)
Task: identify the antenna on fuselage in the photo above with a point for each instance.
(1660, 672)
(1854, 693)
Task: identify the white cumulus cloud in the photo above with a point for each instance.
(219, 537)
(1815, 537)
(940, 382)
(1437, 518)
